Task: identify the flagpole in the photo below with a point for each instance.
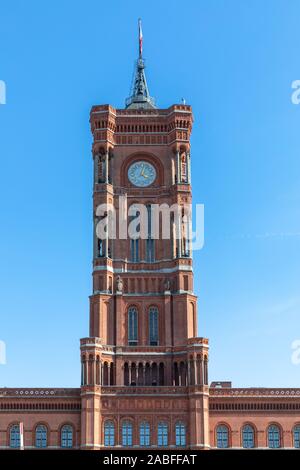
(140, 38)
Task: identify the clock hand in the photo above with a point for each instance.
(143, 172)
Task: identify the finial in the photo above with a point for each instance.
(140, 96)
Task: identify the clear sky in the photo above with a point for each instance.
(234, 62)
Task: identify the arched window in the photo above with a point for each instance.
(41, 436)
(162, 435)
(66, 436)
(127, 434)
(109, 434)
(14, 437)
(222, 437)
(144, 434)
(153, 326)
(248, 437)
(273, 437)
(296, 435)
(180, 434)
(132, 326)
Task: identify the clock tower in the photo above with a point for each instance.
(144, 379)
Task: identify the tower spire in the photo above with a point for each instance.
(140, 97)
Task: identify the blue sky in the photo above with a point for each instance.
(234, 62)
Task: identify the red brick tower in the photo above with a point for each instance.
(144, 371)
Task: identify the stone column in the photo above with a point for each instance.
(188, 167)
(96, 165)
(100, 373)
(111, 175)
(82, 373)
(195, 371)
(178, 167)
(87, 372)
(108, 374)
(106, 166)
(179, 234)
(94, 372)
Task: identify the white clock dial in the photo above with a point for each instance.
(141, 174)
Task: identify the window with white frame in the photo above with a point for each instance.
(145, 434)
(162, 435)
(109, 434)
(273, 437)
(41, 436)
(14, 436)
(66, 436)
(248, 436)
(127, 434)
(222, 437)
(180, 434)
(296, 435)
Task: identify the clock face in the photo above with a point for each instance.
(141, 174)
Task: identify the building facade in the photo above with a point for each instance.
(144, 370)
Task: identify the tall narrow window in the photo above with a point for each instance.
(153, 326)
(162, 435)
(127, 434)
(296, 434)
(180, 434)
(41, 436)
(132, 326)
(109, 434)
(222, 437)
(248, 437)
(273, 437)
(134, 231)
(144, 434)
(100, 248)
(134, 250)
(150, 247)
(66, 437)
(14, 437)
